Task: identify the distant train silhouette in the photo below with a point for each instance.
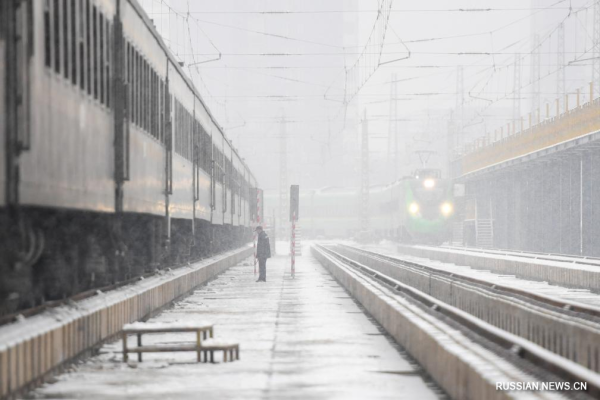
(414, 209)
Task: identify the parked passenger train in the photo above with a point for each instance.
(111, 163)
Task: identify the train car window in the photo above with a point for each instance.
(65, 34)
(143, 92)
(188, 135)
(192, 139)
(177, 127)
(182, 136)
(140, 91)
(129, 83)
(88, 47)
(208, 152)
(157, 106)
(186, 139)
(144, 95)
(201, 145)
(157, 109)
(101, 57)
(95, 50)
(81, 47)
(47, 35)
(151, 103)
(56, 11)
(108, 31)
(160, 110)
(152, 113)
(137, 87)
(147, 98)
(181, 130)
(134, 84)
(73, 42)
(145, 101)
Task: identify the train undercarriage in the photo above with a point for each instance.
(54, 254)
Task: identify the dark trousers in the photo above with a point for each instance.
(262, 269)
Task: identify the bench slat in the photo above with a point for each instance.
(160, 349)
(160, 327)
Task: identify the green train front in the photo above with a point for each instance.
(426, 207)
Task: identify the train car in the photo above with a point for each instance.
(421, 208)
(111, 163)
(417, 209)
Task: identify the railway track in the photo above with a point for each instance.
(567, 328)
(537, 333)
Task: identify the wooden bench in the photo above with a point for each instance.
(228, 348)
(202, 330)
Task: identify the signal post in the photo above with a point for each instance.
(294, 208)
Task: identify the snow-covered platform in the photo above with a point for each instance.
(556, 272)
(299, 338)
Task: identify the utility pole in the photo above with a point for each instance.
(283, 179)
(393, 160)
(535, 78)
(560, 64)
(516, 92)
(460, 101)
(364, 176)
(596, 52)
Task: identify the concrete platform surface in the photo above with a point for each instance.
(301, 338)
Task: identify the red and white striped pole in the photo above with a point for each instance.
(254, 242)
(293, 245)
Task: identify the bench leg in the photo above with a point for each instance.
(237, 352)
(224, 356)
(139, 337)
(124, 347)
(211, 333)
(205, 356)
(212, 356)
(198, 344)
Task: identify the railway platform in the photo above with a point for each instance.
(299, 338)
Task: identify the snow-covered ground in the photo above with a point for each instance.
(301, 338)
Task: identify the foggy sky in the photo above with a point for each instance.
(298, 77)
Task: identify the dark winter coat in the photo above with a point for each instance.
(263, 247)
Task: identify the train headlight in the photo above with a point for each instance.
(413, 208)
(446, 209)
(428, 183)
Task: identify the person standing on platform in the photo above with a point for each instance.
(263, 251)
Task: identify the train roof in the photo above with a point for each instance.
(150, 25)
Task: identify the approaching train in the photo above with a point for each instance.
(417, 209)
(111, 165)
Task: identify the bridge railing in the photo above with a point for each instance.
(569, 125)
